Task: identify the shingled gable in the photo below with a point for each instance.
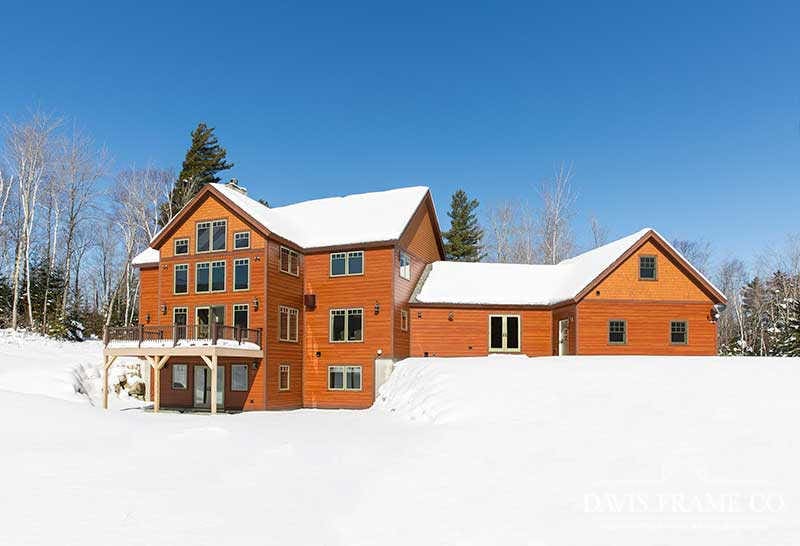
(372, 219)
(540, 286)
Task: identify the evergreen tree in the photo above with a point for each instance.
(463, 239)
(204, 159)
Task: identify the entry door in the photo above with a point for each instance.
(206, 316)
(504, 333)
(563, 337)
(202, 386)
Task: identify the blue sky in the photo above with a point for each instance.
(682, 117)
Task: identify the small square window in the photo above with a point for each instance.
(241, 239)
(181, 246)
(283, 377)
(678, 332)
(617, 332)
(239, 377)
(647, 268)
(179, 376)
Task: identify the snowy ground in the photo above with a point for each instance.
(501, 450)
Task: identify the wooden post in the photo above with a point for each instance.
(105, 379)
(214, 384)
(141, 334)
(214, 333)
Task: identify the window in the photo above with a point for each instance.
(344, 378)
(288, 324)
(405, 265)
(181, 246)
(241, 315)
(181, 279)
(241, 274)
(179, 375)
(180, 317)
(283, 377)
(219, 234)
(217, 276)
(241, 239)
(647, 268)
(404, 320)
(347, 263)
(679, 332)
(504, 333)
(201, 277)
(290, 261)
(239, 377)
(203, 236)
(617, 332)
(347, 325)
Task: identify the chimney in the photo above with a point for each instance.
(234, 185)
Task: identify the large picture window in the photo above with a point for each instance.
(347, 263)
(504, 333)
(617, 332)
(346, 325)
(181, 279)
(288, 323)
(344, 378)
(290, 261)
(241, 274)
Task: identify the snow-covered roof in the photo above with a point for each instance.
(146, 257)
(354, 219)
(467, 283)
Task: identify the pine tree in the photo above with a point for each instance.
(204, 159)
(463, 239)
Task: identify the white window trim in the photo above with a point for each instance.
(211, 277)
(288, 370)
(344, 369)
(289, 264)
(403, 320)
(505, 348)
(185, 377)
(240, 306)
(175, 278)
(289, 312)
(197, 236)
(235, 233)
(175, 312)
(247, 260)
(175, 247)
(246, 377)
(224, 222)
(347, 254)
(401, 267)
(346, 324)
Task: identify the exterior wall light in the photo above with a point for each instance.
(255, 303)
(163, 308)
(450, 316)
(147, 318)
(377, 307)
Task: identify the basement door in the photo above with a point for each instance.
(563, 337)
(202, 386)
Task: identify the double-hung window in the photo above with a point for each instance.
(504, 333)
(181, 279)
(241, 274)
(347, 263)
(181, 246)
(290, 261)
(288, 323)
(179, 376)
(202, 277)
(404, 320)
(346, 325)
(241, 239)
(219, 234)
(203, 237)
(344, 378)
(648, 270)
(678, 332)
(617, 332)
(283, 377)
(405, 265)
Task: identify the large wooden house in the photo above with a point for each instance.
(310, 305)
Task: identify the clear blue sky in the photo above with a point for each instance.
(681, 117)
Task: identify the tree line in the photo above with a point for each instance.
(70, 222)
(762, 317)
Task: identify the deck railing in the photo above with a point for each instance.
(175, 333)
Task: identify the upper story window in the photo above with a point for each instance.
(288, 323)
(241, 315)
(617, 332)
(241, 239)
(181, 246)
(647, 268)
(347, 263)
(181, 279)
(404, 320)
(211, 235)
(346, 325)
(209, 277)
(405, 265)
(290, 261)
(217, 276)
(201, 277)
(241, 274)
(678, 332)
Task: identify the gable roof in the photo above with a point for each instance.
(465, 283)
(364, 218)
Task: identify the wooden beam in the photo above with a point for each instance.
(214, 373)
(207, 360)
(105, 382)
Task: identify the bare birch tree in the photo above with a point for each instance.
(558, 202)
(502, 221)
(697, 253)
(599, 232)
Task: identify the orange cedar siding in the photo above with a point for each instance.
(287, 290)
(363, 291)
(148, 289)
(468, 333)
(648, 327)
(402, 293)
(420, 237)
(184, 398)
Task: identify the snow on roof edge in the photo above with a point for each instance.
(147, 257)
